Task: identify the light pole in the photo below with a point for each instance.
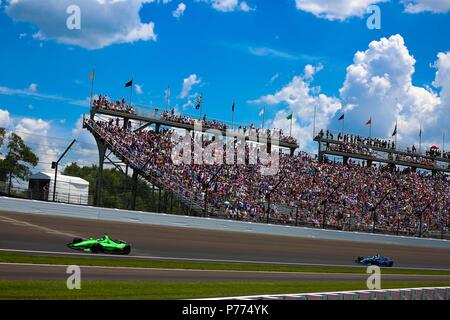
(55, 166)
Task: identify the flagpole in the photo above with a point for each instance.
(396, 134)
(131, 92)
(370, 128)
(264, 116)
(92, 88)
(343, 123)
(443, 143)
(420, 140)
(290, 133)
(232, 116)
(201, 104)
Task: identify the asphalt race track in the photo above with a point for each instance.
(50, 233)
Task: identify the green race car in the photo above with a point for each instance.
(102, 245)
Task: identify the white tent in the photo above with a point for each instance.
(68, 189)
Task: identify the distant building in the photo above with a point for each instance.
(68, 189)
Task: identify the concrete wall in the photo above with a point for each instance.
(85, 212)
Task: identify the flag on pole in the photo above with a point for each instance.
(91, 78)
(232, 107)
(420, 132)
(290, 116)
(369, 122)
(199, 102)
(129, 84)
(262, 112)
(395, 131)
(342, 117)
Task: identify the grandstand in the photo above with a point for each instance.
(380, 151)
(306, 192)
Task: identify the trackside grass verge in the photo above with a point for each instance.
(110, 290)
(92, 260)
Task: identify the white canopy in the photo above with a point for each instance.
(68, 189)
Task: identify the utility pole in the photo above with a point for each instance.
(55, 166)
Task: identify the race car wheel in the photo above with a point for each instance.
(95, 248)
(126, 250)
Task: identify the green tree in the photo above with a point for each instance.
(16, 163)
(117, 189)
(2, 137)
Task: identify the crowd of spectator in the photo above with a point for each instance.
(394, 201)
(352, 148)
(363, 145)
(214, 124)
(103, 102)
(355, 139)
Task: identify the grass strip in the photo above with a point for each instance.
(92, 260)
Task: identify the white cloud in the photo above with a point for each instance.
(311, 70)
(179, 11)
(244, 6)
(269, 52)
(32, 87)
(103, 22)
(344, 9)
(34, 132)
(379, 84)
(29, 125)
(229, 5)
(31, 92)
(138, 89)
(273, 78)
(301, 98)
(435, 6)
(336, 9)
(5, 120)
(188, 83)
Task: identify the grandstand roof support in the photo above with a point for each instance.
(134, 190)
(143, 126)
(206, 187)
(374, 209)
(101, 160)
(270, 193)
(325, 202)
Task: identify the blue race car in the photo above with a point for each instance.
(375, 261)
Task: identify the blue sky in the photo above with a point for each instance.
(255, 53)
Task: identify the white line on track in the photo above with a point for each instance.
(206, 260)
(35, 226)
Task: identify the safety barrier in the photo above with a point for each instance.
(429, 293)
(86, 212)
